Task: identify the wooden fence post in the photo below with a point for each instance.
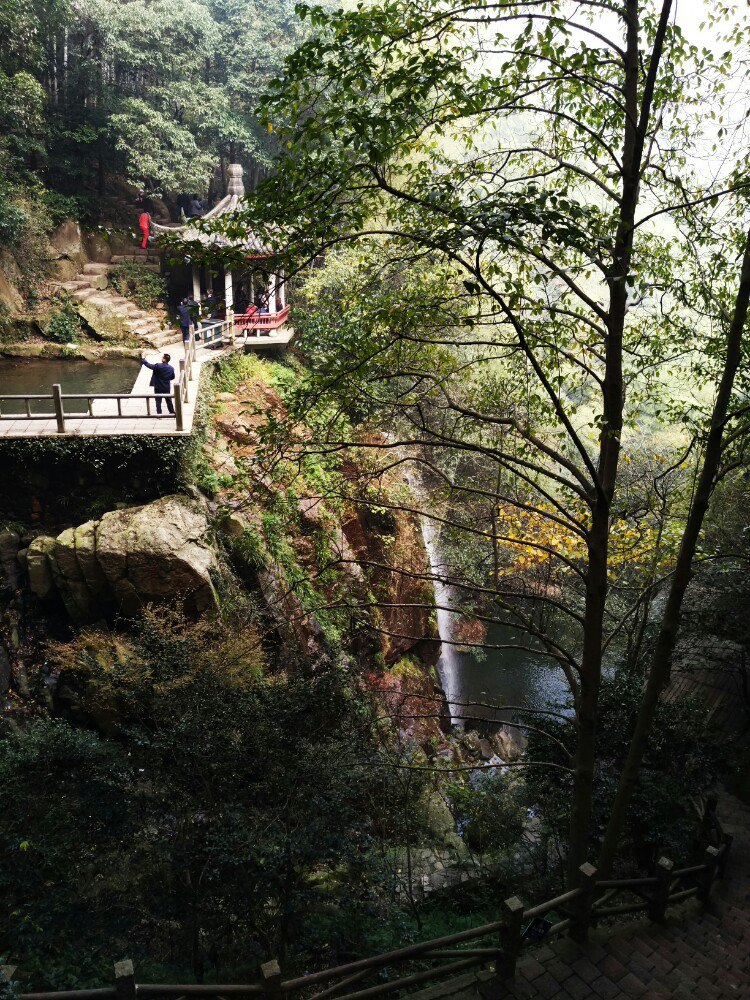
(125, 980)
(179, 414)
(271, 975)
(711, 861)
(510, 939)
(58, 404)
(726, 843)
(657, 906)
(582, 907)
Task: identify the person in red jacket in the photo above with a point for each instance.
(144, 222)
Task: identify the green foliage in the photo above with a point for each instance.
(158, 90)
(12, 220)
(66, 206)
(8, 988)
(83, 476)
(139, 283)
(219, 798)
(683, 758)
(64, 326)
(489, 811)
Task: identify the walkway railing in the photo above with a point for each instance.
(255, 323)
(517, 929)
(56, 400)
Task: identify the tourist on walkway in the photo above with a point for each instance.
(195, 313)
(144, 221)
(184, 318)
(160, 380)
(210, 304)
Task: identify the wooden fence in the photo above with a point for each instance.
(506, 939)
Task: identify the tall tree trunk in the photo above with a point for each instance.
(637, 120)
(662, 658)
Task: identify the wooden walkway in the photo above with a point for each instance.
(696, 954)
(131, 417)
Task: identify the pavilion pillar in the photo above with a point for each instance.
(282, 289)
(272, 295)
(228, 291)
(252, 290)
(196, 283)
(209, 280)
(229, 302)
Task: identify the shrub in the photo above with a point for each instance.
(66, 206)
(139, 283)
(64, 326)
(12, 220)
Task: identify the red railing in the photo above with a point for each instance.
(255, 321)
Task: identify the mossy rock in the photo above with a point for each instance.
(105, 326)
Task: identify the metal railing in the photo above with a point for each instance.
(517, 930)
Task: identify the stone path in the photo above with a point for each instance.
(697, 954)
(90, 286)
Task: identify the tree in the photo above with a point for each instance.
(545, 154)
(222, 813)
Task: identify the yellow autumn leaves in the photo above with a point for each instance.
(540, 539)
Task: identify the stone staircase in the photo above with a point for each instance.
(698, 953)
(95, 300)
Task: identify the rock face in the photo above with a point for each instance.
(129, 558)
(9, 569)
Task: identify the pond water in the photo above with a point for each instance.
(38, 375)
(494, 677)
(504, 677)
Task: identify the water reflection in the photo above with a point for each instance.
(37, 375)
(505, 677)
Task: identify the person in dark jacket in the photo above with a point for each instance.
(160, 380)
(184, 319)
(195, 314)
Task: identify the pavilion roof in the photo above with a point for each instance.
(228, 205)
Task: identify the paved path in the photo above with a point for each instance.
(132, 416)
(697, 954)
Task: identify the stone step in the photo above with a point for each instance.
(84, 292)
(74, 285)
(104, 303)
(92, 268)
(149, 264)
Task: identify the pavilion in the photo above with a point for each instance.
(273, 294)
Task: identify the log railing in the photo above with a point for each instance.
(56, 400)
(506, 939)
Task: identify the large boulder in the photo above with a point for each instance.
(66, 240)
(130, 558)
(11, 300)
(39, 568)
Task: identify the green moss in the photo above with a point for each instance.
(409, 668)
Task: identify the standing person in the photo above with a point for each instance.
(195, 313)
(184, 319)
(160, 380)
(144, 221)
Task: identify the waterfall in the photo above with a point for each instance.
(448, 665)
